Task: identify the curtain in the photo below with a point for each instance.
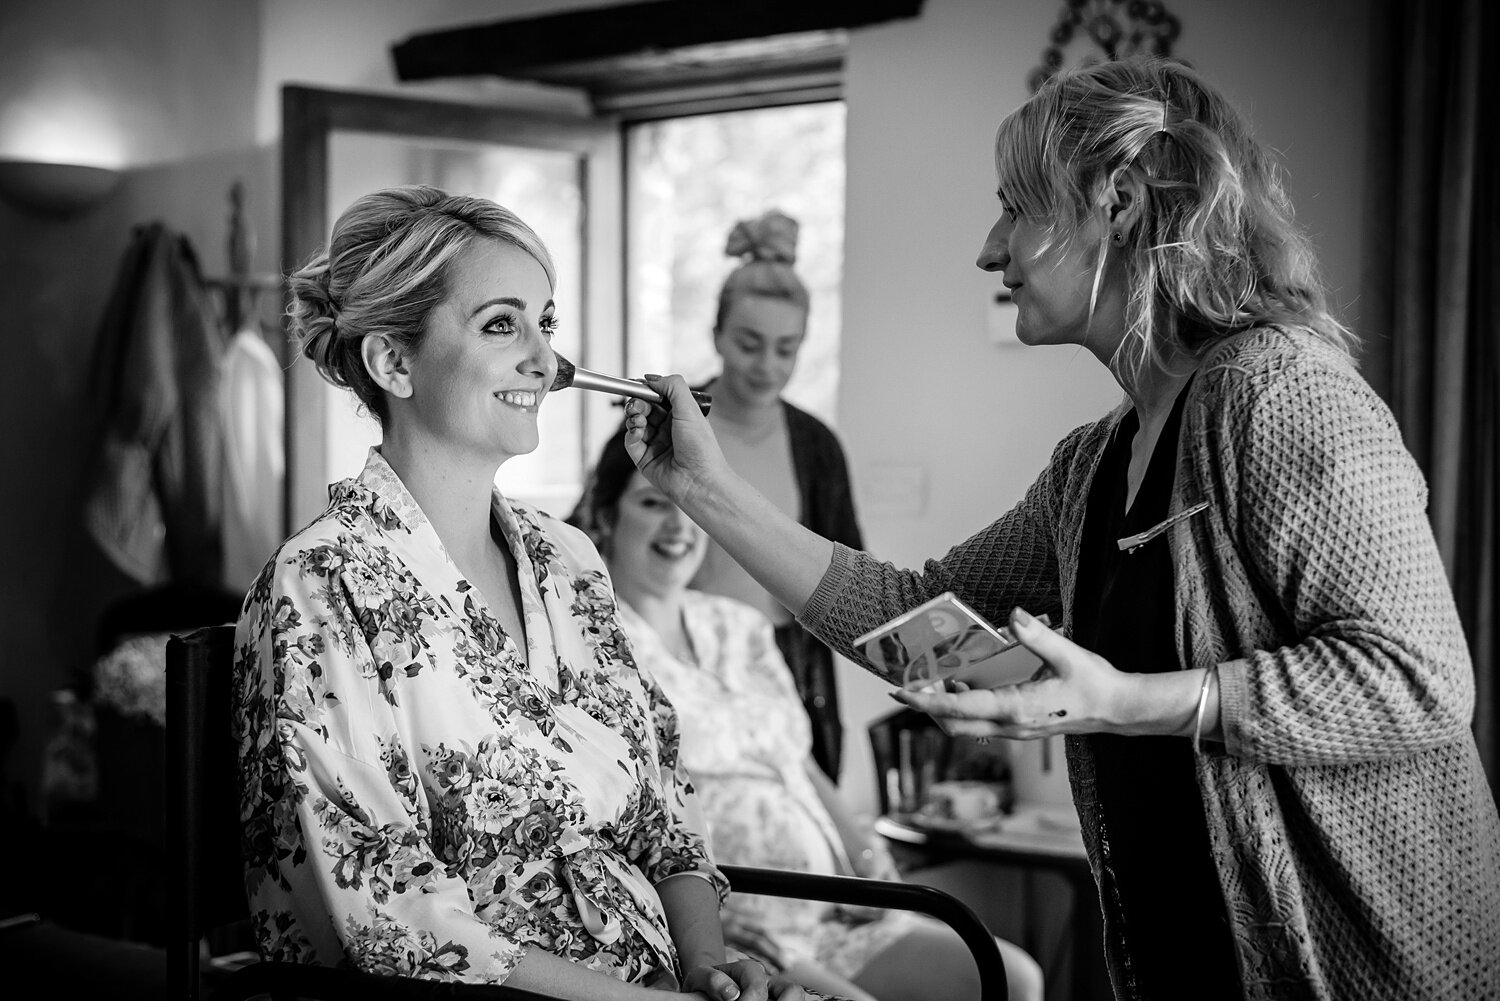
(1436, 181)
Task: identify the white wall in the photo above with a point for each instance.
(347, 44)
(924, 397)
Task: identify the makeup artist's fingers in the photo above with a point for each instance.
(675, 448)
(677, 394)
(1015, 711)
(995, 705)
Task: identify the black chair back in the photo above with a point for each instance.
(203, 825)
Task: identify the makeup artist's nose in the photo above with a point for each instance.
(995, 253)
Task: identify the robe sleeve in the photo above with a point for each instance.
(674, 839)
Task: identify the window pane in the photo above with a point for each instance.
(688, 181)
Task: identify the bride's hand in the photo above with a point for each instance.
(675, 449)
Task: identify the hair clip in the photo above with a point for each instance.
(1133, 542)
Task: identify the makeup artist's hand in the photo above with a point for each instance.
(1076, 691)
(676, 449)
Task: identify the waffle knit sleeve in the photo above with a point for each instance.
(1330, 513)
(1010, 562)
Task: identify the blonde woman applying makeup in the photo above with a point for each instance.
(1261, 674)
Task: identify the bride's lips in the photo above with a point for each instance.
(526, 400)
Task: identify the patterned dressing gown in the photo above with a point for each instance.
(416, 800)
(746, 741)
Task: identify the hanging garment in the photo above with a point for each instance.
(155, 502)
(252, 404)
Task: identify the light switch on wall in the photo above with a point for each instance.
(1000, 318)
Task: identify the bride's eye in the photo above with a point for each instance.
(504, 324)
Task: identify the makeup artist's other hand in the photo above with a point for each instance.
(675, 448)
(1075, 691)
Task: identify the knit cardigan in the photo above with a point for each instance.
(1353, 830)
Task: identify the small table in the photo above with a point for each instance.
(1032, 837)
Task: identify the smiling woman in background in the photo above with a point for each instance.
(451, 768)
(1262, 673)
(746, 746)
(790, 456)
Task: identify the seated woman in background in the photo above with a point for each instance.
(747, 747)
(451, 768)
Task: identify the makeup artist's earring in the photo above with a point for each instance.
(1118, 239)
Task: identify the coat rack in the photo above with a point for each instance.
(241, 288)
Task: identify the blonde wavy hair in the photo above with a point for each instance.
(1216, 249)
(384, 270)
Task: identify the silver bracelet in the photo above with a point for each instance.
(1208, 675)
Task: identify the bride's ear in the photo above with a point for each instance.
(385, 360)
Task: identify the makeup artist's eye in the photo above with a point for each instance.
(1007, 208)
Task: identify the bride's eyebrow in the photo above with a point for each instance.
(504, 300)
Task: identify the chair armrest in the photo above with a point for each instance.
(858, 892)
(324, 983)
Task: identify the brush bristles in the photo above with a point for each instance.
(565, 372)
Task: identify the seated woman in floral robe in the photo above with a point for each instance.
(451, 767)
(747, 744)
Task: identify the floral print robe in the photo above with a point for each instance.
(416, 799)
(746, 741)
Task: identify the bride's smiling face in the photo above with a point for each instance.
(654, 548)
(486, 361)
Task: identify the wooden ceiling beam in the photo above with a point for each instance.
(524, 48)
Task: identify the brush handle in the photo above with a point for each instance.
(584, 379)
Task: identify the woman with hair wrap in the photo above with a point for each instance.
(789, 455)
(1261, 673)
(452, 768)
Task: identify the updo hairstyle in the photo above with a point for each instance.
(1216, 249)
(768, 246)
(385, 268)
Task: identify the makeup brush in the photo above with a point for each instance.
(569, 374)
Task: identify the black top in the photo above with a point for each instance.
(1154, 840)
(827, 502)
